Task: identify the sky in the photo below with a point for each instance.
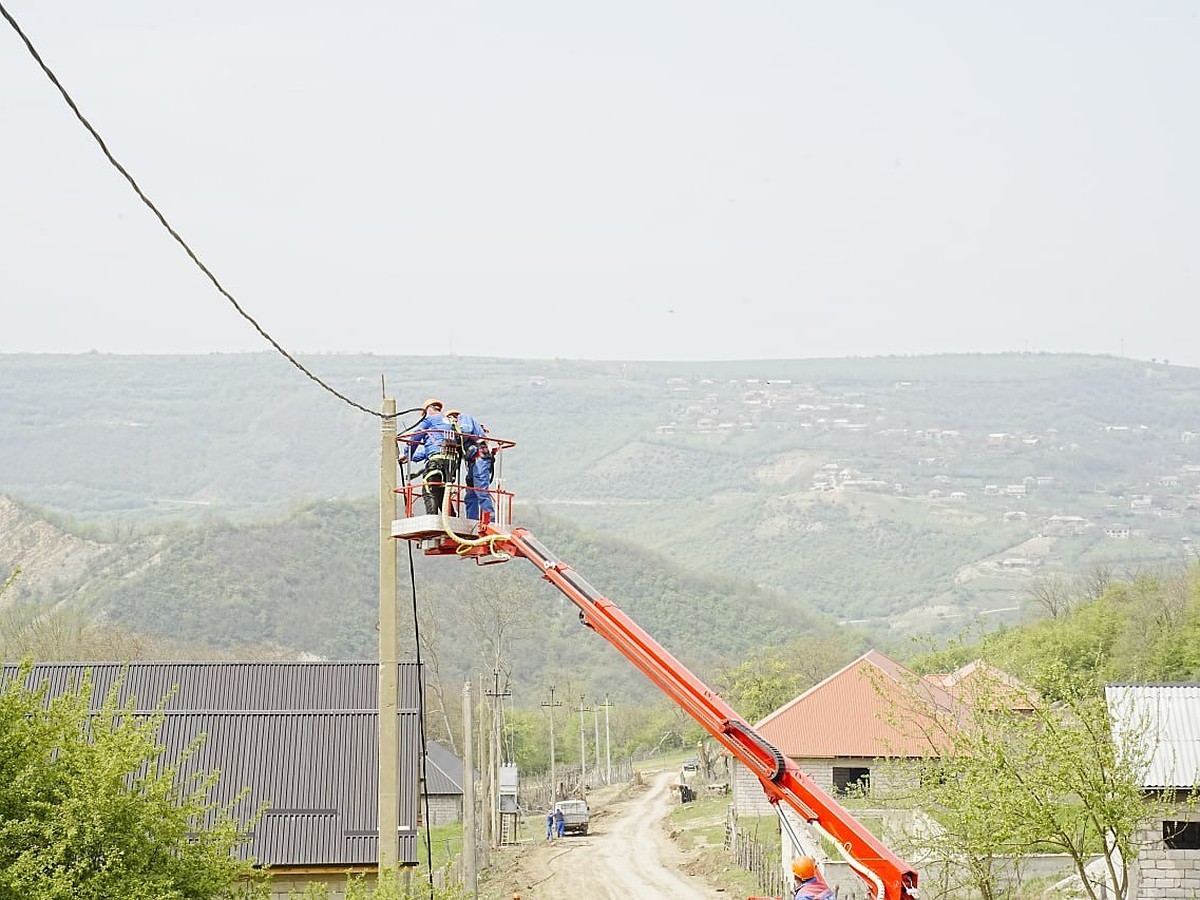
(619, 180)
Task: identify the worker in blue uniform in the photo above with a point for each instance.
(479, 457)
(439, 449)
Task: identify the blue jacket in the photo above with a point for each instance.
(436, 428)
(814, 888)
(470, 427)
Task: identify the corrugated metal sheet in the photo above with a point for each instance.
(302, 736)
(850, 713)
(443, 771)
(242, 686)
(1169, 716)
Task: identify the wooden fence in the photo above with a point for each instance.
(761, 860)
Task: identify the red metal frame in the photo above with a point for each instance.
(414, 491)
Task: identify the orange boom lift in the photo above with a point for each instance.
(495, 540)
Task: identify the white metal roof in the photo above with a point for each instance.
(1169, 715)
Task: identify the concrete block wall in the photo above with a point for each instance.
(888, 778)
(444, 809)
(286, 886)
(1161, 874)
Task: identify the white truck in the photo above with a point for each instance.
(575, 816)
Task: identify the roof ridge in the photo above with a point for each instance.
(778, 712)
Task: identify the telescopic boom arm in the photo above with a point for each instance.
(491, 539)
(888, 877)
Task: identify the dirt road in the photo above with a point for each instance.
(626, 854)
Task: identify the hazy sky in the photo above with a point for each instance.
(663, 180)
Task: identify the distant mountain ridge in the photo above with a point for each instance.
(902, 492)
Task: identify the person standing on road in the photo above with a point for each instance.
(549, 825)
(560, 823)
(807, 881)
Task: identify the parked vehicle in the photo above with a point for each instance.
(575, 816)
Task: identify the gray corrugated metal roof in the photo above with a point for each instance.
(302, 736)
(259, 686)
(1169, 716)
(443, 772)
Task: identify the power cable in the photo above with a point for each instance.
(158, 214)
(412, 579)
(167, 225)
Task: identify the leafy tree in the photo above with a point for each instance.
(761, 684)
(90, 809)
(1002, 782)
(1147, 629)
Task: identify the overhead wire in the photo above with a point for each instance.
(216, 282)
(158, 214)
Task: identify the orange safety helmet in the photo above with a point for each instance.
(451, 413)
(804, 867)
(432, 401)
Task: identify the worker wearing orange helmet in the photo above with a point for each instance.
(807, 881)
(435, 448)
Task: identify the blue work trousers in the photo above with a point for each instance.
(479, 479)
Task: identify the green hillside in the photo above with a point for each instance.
(917, 494)
(307, 583)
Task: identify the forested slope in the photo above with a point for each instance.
(307, 583)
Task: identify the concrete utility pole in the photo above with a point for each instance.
(607, 744)
(596, 730)
(485, 770)
(470, 870)
(495, 751)
(582, 749)
(553, 777)
(389, 642)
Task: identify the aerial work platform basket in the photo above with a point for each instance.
(449, 530)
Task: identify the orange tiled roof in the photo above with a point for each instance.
(979, 677)
(847, 714)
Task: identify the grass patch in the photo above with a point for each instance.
(699, 827)
(673, 761)
(445, 843)
(701, 822)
